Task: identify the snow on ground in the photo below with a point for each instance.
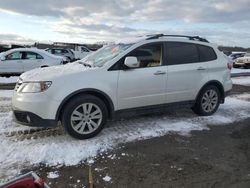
(107, 178)
(12, 79)
(53, 175)
(243, 80)
(17, 154)
(239, 70)
(6, 93)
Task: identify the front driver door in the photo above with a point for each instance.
(12, 63)
(145, 85)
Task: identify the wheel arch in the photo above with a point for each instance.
(101, 95)
(43, 66)
(218, 85)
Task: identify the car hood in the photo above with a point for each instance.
(51, 73)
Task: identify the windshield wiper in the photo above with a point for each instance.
(86, 64)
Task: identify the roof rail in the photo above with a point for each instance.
(156, 36)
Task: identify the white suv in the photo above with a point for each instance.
(131, 76)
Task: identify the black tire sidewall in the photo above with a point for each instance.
(72, 105)
(198, 106)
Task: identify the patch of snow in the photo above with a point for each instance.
(239, 70)
(6, 93)
(53, 175)
(107, 178)
(243, 80)
(55, 71)
(100, 169)
(58, 150)
(12, 79)
(91, 161)
(78, 181)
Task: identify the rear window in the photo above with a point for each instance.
(181, 53)
(206, 53)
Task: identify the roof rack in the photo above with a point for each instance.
(156, 36)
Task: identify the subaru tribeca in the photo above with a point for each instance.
(135, 75)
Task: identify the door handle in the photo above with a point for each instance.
(201, 68)
(159, 72)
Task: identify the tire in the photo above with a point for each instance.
(208, 101)
(84, 117)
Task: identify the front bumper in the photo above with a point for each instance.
(31, 119)
(36, 104)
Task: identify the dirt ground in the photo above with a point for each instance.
(218, 157)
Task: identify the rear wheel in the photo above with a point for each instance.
(208, 101)
(84, 117)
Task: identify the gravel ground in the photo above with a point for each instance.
(218, 157)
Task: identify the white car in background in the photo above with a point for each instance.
(243, 61)
(20, 60)
(81, 51)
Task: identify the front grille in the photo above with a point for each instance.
(18, 84)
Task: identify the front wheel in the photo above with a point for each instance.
(84, 117)
(208, 101)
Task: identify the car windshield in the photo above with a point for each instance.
(247, 54)
(105, 54)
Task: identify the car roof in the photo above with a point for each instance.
(40, 51)
(161, 37)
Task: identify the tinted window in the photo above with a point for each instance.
(64, 51)
(32, 55)
(84, 49)
(57, 51)
(181, 53)
(148, 55)
(206, 53)
(14, 56)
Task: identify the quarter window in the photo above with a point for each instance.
(14, 56)
(206, 53)
(181, 53)
(32, 55)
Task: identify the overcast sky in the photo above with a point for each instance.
(86, 21)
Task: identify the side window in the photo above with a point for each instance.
(84, 49)
(64, 51)
(49, 50)
(32, 56)
(57, 51)
(181, 53)
(148, 55)
(206, 53)
(14, 56)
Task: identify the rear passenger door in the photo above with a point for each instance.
(32, 60)
(186, 73)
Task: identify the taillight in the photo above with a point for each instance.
(229, 65)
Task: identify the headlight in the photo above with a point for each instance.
(34, 87)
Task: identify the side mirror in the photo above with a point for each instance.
(131, 62)
(3, 58)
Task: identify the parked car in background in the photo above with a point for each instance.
(19, 60)
(235, 55)
(243, 61)
(81, 51)
(64, 52)
(137, 75)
